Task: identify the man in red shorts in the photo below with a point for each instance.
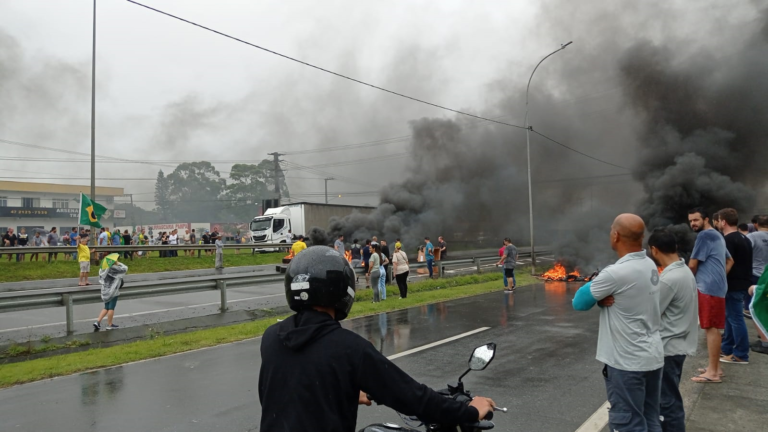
(710, 262)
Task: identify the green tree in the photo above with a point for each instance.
(162, 195)
(248, 185)
(195, 189)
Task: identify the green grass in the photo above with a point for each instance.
(40, 270)
(158, 344)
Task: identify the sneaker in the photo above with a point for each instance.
(759, 348)
(733, 359)
(747, 314)
(96, 326)
(113, 327)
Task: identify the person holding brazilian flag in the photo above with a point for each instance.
(759, 309)
(111, 271)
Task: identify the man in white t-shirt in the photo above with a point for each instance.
(629, 340)
(173, 240)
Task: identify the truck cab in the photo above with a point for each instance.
(272, 226)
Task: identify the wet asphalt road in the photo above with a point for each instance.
(544, 372)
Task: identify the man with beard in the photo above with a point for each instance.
(709, 261)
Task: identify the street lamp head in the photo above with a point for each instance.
(562, 46)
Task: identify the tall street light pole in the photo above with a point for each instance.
(93, 113)
(528, 150)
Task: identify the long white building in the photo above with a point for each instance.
(46, 205)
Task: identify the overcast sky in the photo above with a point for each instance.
(168, 91)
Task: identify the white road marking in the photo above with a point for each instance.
(597, 421)
(146, 312)
(434, 344)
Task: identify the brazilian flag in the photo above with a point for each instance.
(759, 305)
(90, 212)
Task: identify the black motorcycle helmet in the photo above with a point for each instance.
(320, 276)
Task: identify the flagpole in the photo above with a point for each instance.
(93, 115)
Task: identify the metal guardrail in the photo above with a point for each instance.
(52, 250)
(69, 297)
(134, 248)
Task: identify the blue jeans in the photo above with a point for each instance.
(383, 283)
(504, 278)
(735, 336)
(430, 262)
(671, 407)
(634, 398)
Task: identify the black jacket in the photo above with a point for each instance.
(312, 371)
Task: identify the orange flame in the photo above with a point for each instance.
(660, 268)
(555, 273)
(289, 256)
(348, 255)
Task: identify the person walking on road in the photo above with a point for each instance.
(84, 260)
(111, 280)
(339, 245)
(429, 255)
(708, 262)
(401, 270)
(629, 341)
(508, 261)
(735, 345)
(678, 304)
(501, 254)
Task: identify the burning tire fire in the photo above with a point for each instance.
(560, 274)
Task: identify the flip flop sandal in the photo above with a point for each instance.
(704, 370)
(705, 380)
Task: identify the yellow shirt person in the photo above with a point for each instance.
(298, 247)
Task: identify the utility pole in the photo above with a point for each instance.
(276, 157)
(326, 187)
(93, 115)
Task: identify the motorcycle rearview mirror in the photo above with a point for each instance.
(481, 357)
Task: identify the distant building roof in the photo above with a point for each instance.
(58, 188)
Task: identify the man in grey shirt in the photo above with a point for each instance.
(629, 341)
(678, 303)
(508, 260)
(339, 245)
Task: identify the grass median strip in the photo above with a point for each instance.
(158, 345)
(12, 271)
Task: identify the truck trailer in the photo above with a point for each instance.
(298, 218)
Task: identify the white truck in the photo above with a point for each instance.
(299, 218)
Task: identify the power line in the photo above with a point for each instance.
(393, 140)
(579, 152)
(323, 69)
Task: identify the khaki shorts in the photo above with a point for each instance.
(85, 266)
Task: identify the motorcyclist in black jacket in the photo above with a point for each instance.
(314, 373)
